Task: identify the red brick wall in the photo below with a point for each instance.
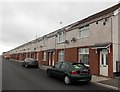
(35, 53)
(110, 62)
(71, 54)
(56, 56)
(40, 58)
(94, 61)
(20, 58)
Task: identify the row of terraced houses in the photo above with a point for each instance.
(95, 41)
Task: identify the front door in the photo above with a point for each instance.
(104, 62)
(51, 58)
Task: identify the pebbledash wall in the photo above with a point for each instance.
(94, 41)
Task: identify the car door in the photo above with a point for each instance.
(61, 70)
(55, 70)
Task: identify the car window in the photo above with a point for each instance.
(79, 66)
(67, 67)
(57, 65)
(63, 66)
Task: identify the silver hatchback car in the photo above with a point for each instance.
(30, 62)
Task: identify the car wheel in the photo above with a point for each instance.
(67, 80)
(48, 73)
(26, 66)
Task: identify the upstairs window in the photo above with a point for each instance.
(84, 32)
(61, 37)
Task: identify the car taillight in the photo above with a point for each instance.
(74, 72)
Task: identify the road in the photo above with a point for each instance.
(17, 77)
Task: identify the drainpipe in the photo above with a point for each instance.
(65, 46)
(111, 32)
(111, 41)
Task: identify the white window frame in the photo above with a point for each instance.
(84, 32)
(61, 56)
(37, 56)
(61, 37)
(83, 51)
(44, 56)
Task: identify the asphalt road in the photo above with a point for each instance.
(17, 77)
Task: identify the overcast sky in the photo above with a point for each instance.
(23, 21)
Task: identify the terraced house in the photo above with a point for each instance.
(95, 41)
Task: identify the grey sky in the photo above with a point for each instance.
(23, 21)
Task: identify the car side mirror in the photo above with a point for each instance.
(53, 66)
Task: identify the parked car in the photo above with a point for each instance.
(30, 62)
(70, 72)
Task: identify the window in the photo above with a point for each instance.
(61, 56)
(61, 37)
(63, 66)
(83, 55)
(57, 66)
(102, 56)
(37, 56)
(44, 56)
(106, 59)
(84, 32)
(79, 66)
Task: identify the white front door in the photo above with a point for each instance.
(104, 62)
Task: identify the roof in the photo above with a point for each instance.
(100, 45)
(99, 14)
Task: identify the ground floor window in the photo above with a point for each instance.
(37, 56)
(83, 55)
(44, 55)
(61, 56)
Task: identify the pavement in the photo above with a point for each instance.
(113, 83)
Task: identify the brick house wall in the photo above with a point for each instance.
(110, 62)
(94, 61)
(71, 54)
